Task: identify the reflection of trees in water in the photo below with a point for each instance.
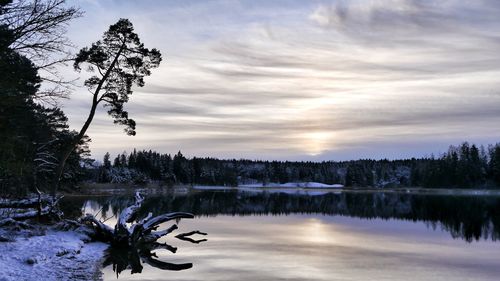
(467, 217)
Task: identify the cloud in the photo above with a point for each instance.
(408, 16)
(309, 81)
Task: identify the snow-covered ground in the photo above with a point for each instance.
(57, 255)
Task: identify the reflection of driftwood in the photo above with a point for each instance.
(165, 246)
(186, 236)
(131, 245)
(122, 258)
(167, 265)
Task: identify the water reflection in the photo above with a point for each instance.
(133, 257)
(141, 245)
(121, 258)
(344, 236)
(467, 217)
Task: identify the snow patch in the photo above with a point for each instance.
(211, 187)
(295, 184)
(57, 255)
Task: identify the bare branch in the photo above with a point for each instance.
(39, 33)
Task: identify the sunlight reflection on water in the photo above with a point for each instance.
(318, 247)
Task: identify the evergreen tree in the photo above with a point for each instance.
(180, 168)
(106, 161)
(32, 135)
(495, 164)
(120, 61)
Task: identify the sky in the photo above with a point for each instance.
(303, 80)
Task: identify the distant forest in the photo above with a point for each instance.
(463, 166)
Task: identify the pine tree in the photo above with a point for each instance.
(106, 161)
(120, 61)
(495, 164)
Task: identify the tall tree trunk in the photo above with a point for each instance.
(95, 101)
(69, 149)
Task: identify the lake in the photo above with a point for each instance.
(320, 236)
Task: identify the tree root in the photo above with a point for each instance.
(131, 244)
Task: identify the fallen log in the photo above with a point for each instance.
(51, 210)
(10, 222)
(24, 203)
(102, 232)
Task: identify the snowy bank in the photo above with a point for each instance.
(295, 184)
(212, 187)
(56, 255)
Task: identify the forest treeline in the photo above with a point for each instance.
(463, 166)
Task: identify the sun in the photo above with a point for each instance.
(317, 142)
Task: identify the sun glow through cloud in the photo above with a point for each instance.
(317, 142)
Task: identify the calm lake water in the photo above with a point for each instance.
(331, 236)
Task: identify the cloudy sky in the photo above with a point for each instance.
(304, 80)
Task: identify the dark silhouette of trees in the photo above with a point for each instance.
(180, 168)
(15, 103)
(119, 61)
(32, 135)
(462, 166)
(494, 165)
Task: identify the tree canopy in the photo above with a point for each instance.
(120, 61)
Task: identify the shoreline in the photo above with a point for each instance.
(98, 189)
